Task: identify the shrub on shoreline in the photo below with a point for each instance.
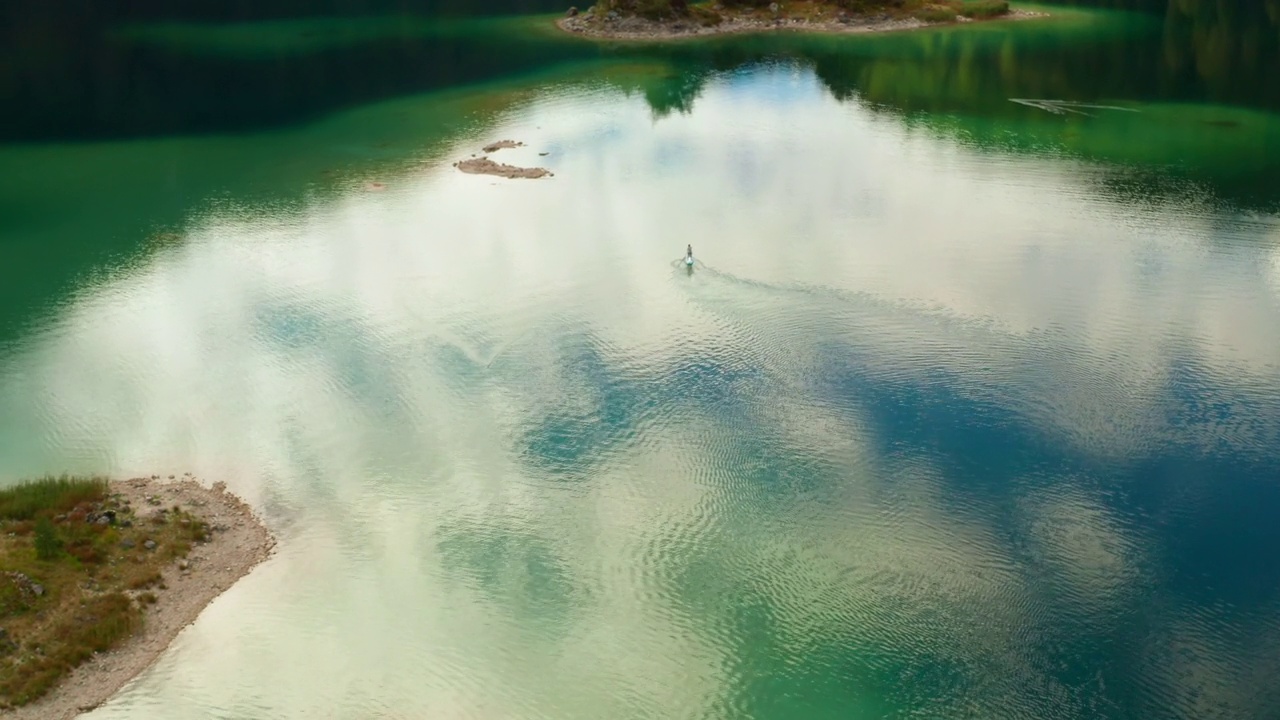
(982, 9)
(947, 10)
(48, 496)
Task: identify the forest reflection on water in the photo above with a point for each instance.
(1202, 75)
(139, 69)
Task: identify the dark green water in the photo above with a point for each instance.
(969, 408)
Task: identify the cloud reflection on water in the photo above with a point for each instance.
(877, 439)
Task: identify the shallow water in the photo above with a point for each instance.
(937, 426)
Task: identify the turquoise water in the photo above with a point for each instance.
(966, 410)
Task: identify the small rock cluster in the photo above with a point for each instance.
(501, 145)
(113, 511)
(484, 166)
(25, 585)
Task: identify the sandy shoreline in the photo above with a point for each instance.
(238, 543)
(637, 28)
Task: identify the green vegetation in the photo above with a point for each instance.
(936, 13)
(48, 546)
(811, 10)
(982, 9)
(101, 623)
(77, 569)
(23, 502)
(948, 10)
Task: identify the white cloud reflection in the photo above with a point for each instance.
(370, 371)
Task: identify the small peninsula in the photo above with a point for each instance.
(97, 577)
(674, 19)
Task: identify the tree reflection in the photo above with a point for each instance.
(1205, 51)
(1202, 72)
(64, 63)
(1232, 48)
(676, 92)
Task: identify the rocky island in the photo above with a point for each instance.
(485, 166)
(97, 577)
(671, 19)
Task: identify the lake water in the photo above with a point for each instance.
(969, 407)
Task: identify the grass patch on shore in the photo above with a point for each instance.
(983, 9)
(937, 11)
(98, 625)
(24, 501)
(78, 566)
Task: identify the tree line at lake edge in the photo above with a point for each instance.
(713, 12)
